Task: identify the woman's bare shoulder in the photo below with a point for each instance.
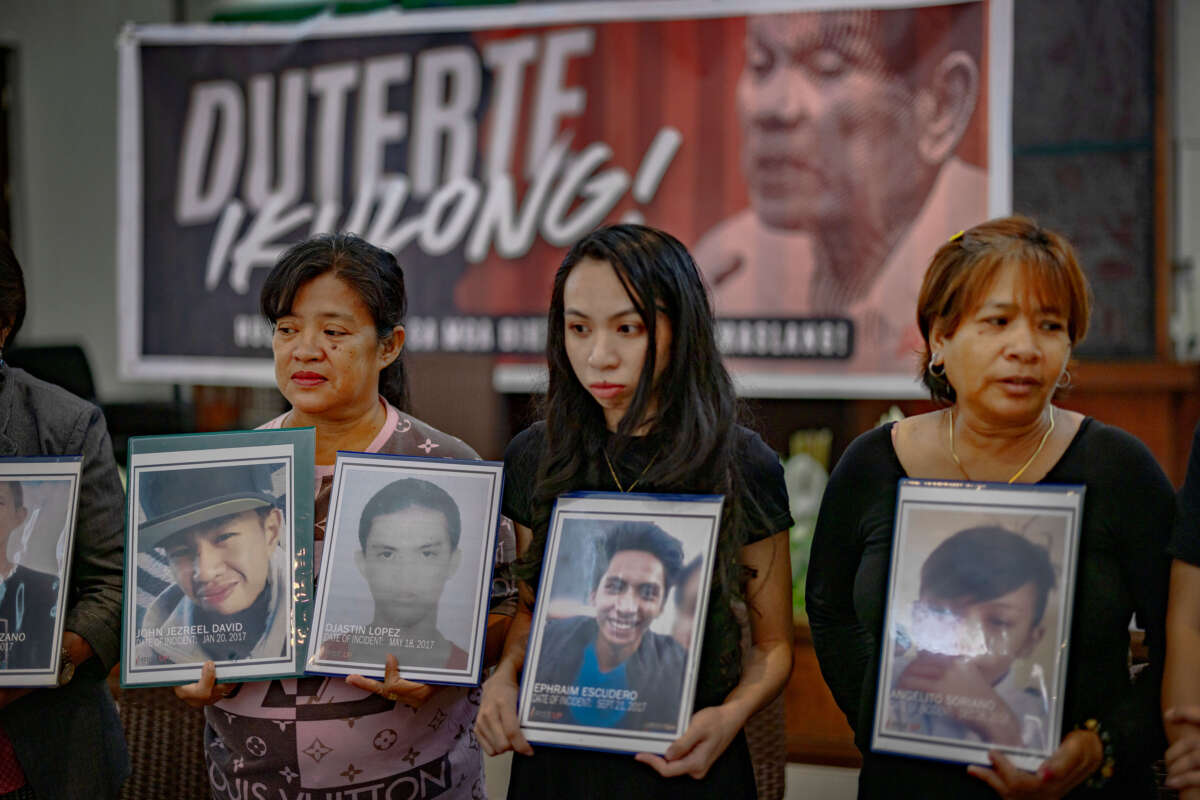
(1068, 420)
(917, 440)
(919, 429)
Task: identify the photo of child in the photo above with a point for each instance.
(977, 623)
(980, 608)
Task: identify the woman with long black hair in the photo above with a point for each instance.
(638, 399)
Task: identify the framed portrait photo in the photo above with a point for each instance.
(407, 567)
(614, 648)
(218, 555)
(978, 620)
(39, 498)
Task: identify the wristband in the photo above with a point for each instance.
(1105, 771)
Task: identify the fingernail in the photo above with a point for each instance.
(1047, 774)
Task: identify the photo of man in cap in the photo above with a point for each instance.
(28, 597)
(220, 529)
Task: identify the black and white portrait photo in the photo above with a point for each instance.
(406, 567)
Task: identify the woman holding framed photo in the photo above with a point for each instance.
(337, 305)
(638, 399)
(1001, 309)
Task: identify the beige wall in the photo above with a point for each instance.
(64, 145)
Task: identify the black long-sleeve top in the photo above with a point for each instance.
(1122, 571)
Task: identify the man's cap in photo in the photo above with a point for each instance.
(177, 499)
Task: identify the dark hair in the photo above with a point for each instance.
(645, 536)
(12, 292)
(18, 493)
(987, 562)
(694, 423)
(409, 493)
(696, 417)
(371, 272)
(963, 268)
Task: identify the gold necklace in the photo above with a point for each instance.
(613, 472)
(1024, 466)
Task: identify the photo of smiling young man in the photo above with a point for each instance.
(607, 669)
(220, 530)
(407, 549)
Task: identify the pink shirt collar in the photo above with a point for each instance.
(390, 423)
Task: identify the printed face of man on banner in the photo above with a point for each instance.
(850, 123)
(828, 128)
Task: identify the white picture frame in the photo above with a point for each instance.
(191, 592)
(974, 652)
(39, 503)
(407, 567)
(608, 581)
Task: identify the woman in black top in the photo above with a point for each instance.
(1000, 309)
(638, 398)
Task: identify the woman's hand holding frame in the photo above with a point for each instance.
(394, 687)
(709, 733)
(1183, 757)
(764, 674)
(205, 691)
(496, 724)
(1079, 755)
